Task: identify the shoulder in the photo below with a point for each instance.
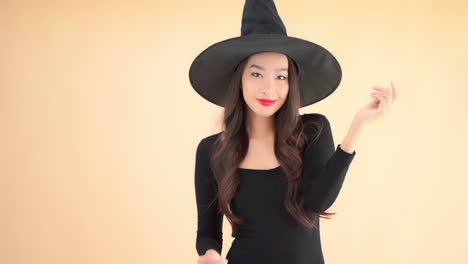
(315, 123)
(207, 140)
(205, 143)
(310, 117)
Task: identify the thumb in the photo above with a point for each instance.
(212, 254)
(223, 261)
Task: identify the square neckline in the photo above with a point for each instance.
(259, 170)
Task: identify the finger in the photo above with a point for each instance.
(390, 93)
(377, 97)
(378, 87)
(375, 100)
(221, 261)
(385, 103)
(390, 96)
(386, 95)
(381, 107)
(380, 93)
(387, 91)
(385, 106)
(372, 104)
(393, 90)
(213, 254)
(382, 102)
(381, 88)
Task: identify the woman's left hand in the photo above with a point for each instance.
(383, 98)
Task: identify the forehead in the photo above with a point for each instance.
(269, 60)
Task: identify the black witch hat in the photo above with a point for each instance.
(262, 30)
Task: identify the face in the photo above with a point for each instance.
(265, 77)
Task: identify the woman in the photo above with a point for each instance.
(272, 172)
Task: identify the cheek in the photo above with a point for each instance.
(283, 92)
(249, 91)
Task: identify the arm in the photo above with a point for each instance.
(325, 168)
(209, 222)
(353, 133)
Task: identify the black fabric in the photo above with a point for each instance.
(261, 17)
(270, 235)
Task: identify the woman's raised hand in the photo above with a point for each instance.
(383, 99)
(211, 257)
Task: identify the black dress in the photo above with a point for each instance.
(269, 234)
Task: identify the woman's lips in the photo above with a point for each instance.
(266, 102)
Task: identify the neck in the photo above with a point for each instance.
(260, 127)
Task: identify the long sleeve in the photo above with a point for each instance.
(209, 222)
(325, 168)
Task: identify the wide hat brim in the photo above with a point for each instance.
(319, 73)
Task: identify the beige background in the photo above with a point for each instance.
(99, 127)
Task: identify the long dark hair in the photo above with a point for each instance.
(231, 147)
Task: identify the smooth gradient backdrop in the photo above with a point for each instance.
(99, 127)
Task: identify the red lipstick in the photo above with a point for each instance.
(266, 102)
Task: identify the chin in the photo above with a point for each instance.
(266, 112)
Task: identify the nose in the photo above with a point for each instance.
(269, 88)
(267, 92)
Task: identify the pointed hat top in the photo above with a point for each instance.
(261, 17)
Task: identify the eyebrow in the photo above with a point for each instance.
(261, 68)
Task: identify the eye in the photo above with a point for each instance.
(255, 73)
